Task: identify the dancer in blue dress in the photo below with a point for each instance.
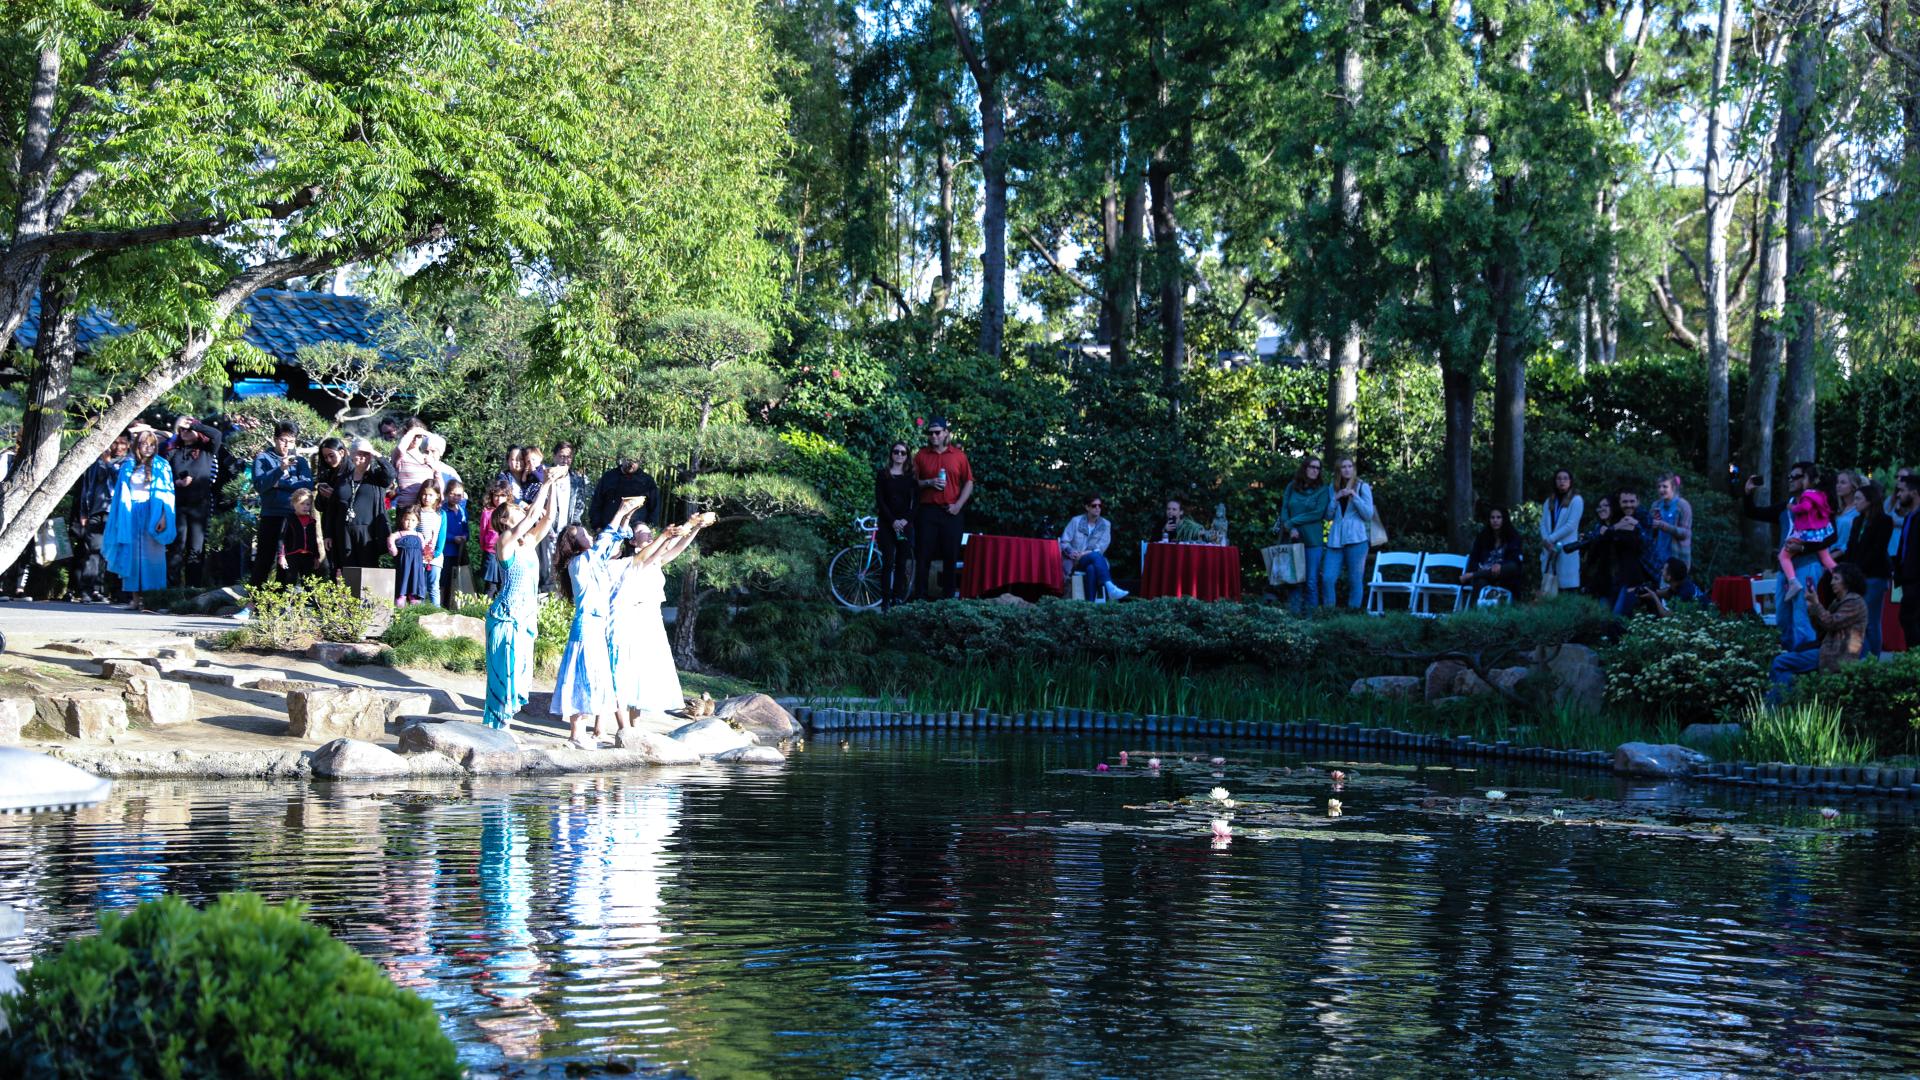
(583, 689)
(514, 618)
(644, 678)
(140, 523)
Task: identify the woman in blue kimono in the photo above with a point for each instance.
(644, 678)
(140, 523)
(583, 689)
(514, 618)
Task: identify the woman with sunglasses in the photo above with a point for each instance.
(1083, 547)
(1303, 515)
(894, 494)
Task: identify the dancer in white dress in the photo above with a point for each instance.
(644, 678)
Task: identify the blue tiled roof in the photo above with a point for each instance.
(281, 323)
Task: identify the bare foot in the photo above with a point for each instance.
(1793, 589)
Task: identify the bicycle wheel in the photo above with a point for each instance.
(854, 578)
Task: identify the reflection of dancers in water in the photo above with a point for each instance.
(644, 678)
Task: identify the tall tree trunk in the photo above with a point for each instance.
(984, 62)
(1109, 317)
(1509, 381)
(50, 384)
(1769, 344)
(1803, 193)
(943, 288)
(1173, 283)
(1456, 388)
(1343, 366)
(1133, 242)
(1716, 180)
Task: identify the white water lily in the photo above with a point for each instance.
(1219, 794)
(1496, 796)
(1558, 814)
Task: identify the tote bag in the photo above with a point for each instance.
(1286, 563)
(1550, 576)
(1377, 529)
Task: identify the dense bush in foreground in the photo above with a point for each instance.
(1697, 663)
(1878, 700)
(240, 989)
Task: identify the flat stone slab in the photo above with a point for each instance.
(353, 759)
(710, 736)
(122, 670)
(189, 764)
(343, 652)
(238, 678)
(480, 748)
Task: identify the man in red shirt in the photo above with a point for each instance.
(946, 483)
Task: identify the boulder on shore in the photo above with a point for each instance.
(446, 626)
(1658, 760)
(1467, 684)
(353, 759)
(1388, 686)
(347, 712)
(94, 717)
(753, 755)
(159, 702)
(480, 748)
(662, 750)
(1440, 679)
(759, 716)
(1579, 684)
(344, 652)
(711, 736)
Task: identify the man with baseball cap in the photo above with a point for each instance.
(945, 481)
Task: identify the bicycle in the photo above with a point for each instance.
(857, 574)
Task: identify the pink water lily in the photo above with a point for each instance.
(1123, 759)
(1222, 831)
(1102, 767)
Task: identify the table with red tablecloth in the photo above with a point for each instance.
(993, 563)
(1734, 595)
(1202, 571)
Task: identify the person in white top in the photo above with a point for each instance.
(1349, 537)
(1560, 526)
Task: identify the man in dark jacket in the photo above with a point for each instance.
(1906, 563)
(90, 505)
(195, 457)
(1629, 539)
(278, 471)
(625, 482)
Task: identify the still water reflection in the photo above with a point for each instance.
(919, 906)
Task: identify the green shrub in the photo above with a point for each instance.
(1803, 732)
(841, 479)
(295, 617)
(1694, 664)
(239, 989)
(408, 645)
(1878, 700)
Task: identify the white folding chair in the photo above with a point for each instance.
(1380, 586)
(1766, 600)
(1493, 596)
(1426, 588)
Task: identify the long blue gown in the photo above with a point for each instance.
(585, 681)
(512, 622)
(140, 525)
(643, 673)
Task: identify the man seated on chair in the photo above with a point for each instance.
(1179, 528)
(1083, 548)
(1495, 559)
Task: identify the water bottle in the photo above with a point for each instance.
(942, 479)
(1220, 523)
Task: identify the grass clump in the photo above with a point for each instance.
(1803, 732)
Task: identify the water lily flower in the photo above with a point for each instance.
(1217, 761)
(1153, 763)
(1558, 814)
(1123, 759)
(1496, 796)
(1829, 813)
(1219, 794)
(1333, 807)
(1102, 767)
(1337, 776)
(1222, 830)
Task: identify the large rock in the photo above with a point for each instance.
(1660, 760)
(480, 748)
(95, 717)
(446, 626)
(1467, 684)
(759, 716)
(127, 670)
(1579, 684)
(344, 652)
(354, 712)
(1441, 676)
(15, 714)
(753, 755)
(238, 678)
(352, 759)
(1704, 734)
(1393, 687)
(215, 599)
(710, 736)
(659, 749)
(159, 702)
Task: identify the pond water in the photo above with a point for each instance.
(951, 905)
